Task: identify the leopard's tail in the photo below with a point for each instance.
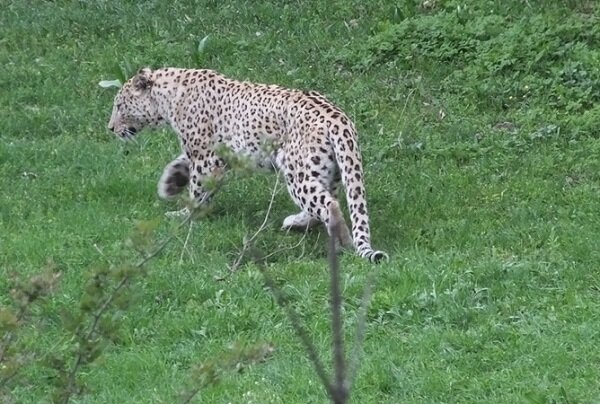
(349, 161)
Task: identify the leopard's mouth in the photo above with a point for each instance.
(128, 133)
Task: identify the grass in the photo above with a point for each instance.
(479, 129)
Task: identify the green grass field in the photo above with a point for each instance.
(479, 123)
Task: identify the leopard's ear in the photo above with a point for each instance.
(143, 79)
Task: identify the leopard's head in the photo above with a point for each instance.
(134, 107)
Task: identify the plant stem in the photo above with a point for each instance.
(340, 392)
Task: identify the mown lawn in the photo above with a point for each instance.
(479, 124)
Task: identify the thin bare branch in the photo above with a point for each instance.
(264, 223)
(301, 331)
(102, 253)
(410, 93)
(191, 394)
(279, 250)
(247, 243)
(340, 392)
(187, 239)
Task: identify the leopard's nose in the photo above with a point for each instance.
(111, 127)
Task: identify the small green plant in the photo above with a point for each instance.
(14, 320)
(95, 323)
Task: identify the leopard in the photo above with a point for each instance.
(300, 134)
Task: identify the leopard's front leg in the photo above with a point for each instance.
(205, 172)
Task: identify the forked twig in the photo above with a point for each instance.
(340, 387)
(247, 243)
